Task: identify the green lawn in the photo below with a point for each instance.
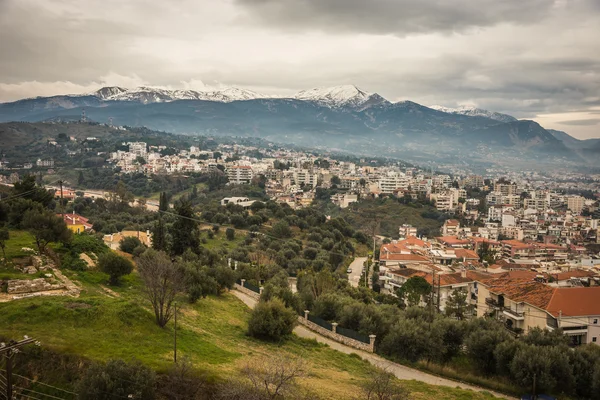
(18, 240)
(211, 334)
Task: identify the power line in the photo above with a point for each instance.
(39, 393)
(44, 384)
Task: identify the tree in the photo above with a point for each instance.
(115, 266)
(4, 237)
(181, 382)
(275, 376)
(140, 160)
(184, 232)
(230, 234)
(163, 204)
(281, 230)
(80, 179)
(106, 381)
(129, 243)
(413, 289)
(159, 235)
(272, 320)
(46, 227)
(382, 385)
(27, 188)
(481, 345)
(122, 196)
(456, 304)
(485, 253)
(162, 282)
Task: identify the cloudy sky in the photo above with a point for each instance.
(536, 59)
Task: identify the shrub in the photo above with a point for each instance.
(115, 266)
(128, 244)
(105, 381)
(271, 320)
(230, 234)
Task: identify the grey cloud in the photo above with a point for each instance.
(399, 17)
(581, 122)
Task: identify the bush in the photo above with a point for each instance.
(129, 244)
(105, 382)
(272, 320)
(230, 234)
(115, 266)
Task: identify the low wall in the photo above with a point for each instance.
(247, 291)
(16, 286)
(357, 344)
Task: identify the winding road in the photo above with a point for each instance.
(400, 371)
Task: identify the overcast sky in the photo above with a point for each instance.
(536, 59)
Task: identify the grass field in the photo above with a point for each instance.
(211, 334)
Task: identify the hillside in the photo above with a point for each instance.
(100, 326)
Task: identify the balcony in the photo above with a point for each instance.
(493, 303)
(518, 316)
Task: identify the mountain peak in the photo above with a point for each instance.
(340, 96)
(473, 111)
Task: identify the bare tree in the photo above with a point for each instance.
(268, 378)
(382, 385)
(162, 282)
(181, 382)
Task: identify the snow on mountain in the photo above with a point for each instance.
(148, 95)
(340, 96)
(475, 112)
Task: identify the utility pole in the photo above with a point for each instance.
(8, 350)
(175, 337)
(62, 204)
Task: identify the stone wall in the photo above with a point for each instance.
(247, 291)
(16, 286)
(357, 344)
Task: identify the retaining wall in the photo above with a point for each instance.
(357, 344)
(247, 291)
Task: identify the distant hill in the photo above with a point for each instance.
(339, 118)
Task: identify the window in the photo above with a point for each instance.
(595, 320)
(594, 339)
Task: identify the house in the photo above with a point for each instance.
(114, 239)
(524, 304)
(76, 223)
(240, 201)
(450, 227)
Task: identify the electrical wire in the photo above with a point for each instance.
(44, 384)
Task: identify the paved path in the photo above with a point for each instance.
(400, 371)
(357, 267)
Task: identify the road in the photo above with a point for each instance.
(400, 371)
(357, 267)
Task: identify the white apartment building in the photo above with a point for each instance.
(305, 177)
(45, 163)
(239, 174)
(406, 230)
(575, 203)
(389, 183)
(139, 149)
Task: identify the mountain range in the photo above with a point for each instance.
(339, 118)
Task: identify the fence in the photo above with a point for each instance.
(321, 322)
(252, 287)
(353, 334)
(333, 331)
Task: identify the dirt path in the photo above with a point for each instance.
(400, 371)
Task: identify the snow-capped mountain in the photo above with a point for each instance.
(146, 95)
(475, 112)
(341, 96)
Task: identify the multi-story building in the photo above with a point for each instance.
(45, 163)
(406, 230)
(575, 203)
(239, 174)
(505, 188)
(391, 182)
(524, 304)
(138, 149)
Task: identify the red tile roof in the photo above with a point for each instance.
(402, 257)
(521, 290)
(575, 301)
(467, 254)
(451, 240)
